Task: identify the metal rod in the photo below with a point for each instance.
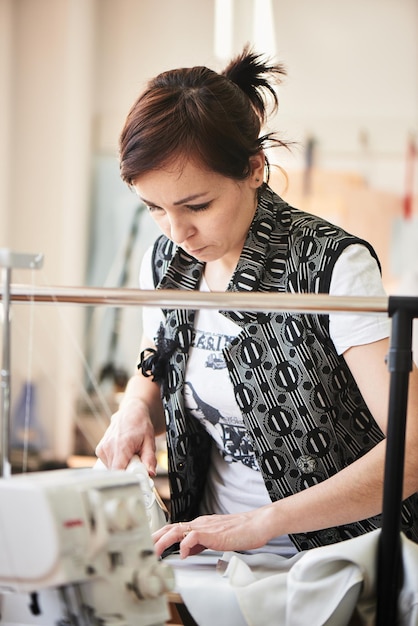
(5, 468)
(390, 570)
(8, 261)
(238, 301)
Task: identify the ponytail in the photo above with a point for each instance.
(255, 78)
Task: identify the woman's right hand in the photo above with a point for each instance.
(130, 432)
(133, 427)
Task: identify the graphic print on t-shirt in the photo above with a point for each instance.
(209, 397)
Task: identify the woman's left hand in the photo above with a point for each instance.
(241, 531)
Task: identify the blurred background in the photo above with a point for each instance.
(69, 72)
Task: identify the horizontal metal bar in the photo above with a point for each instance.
(170, 298)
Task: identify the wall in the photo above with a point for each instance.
(46, 177)
(353, 82)
(69, 71)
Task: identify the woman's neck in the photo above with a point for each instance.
(218, 273)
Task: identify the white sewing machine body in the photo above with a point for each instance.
(76, 549)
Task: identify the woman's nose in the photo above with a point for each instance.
(180, 230)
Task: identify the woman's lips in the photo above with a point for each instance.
(197, 251)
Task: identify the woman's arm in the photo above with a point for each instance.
(133, 427)
(370, 370)
(353, 494)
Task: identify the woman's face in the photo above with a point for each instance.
(205, 213)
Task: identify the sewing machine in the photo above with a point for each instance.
(76, 550)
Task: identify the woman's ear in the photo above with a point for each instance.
(257, 164)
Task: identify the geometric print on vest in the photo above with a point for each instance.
(302, 409)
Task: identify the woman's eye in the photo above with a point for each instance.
(151, 208)
(195, 208)
(199, 207)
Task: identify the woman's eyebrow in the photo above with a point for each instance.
(145, 201)
(194, 196)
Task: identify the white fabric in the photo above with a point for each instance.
(324, 586)
(320, 587)
(208, 597)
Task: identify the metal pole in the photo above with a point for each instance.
(5, 378)
(389, 561)
(8, 260)
(228, 300)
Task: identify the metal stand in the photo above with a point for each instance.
(402, 310)
(9, 260)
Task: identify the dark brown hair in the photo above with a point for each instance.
(201, 114)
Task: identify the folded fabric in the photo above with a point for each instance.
(333, 585)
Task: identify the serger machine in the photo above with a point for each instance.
(76, 550)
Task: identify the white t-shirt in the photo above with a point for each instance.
(235, 483)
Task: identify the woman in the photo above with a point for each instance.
(275, 422)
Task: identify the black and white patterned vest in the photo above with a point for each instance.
(302, 408)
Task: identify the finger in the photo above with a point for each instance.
(170, 535)
(195, 548)
(101, 454)
(164, 543)
(148, 456)
(120, 460)
(160, 532)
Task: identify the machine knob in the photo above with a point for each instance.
(136, 510)
(167, 576)
(117, 514)
(147, 585)
(152, 587)
(151, 583)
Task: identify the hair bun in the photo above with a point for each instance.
(254, 76)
